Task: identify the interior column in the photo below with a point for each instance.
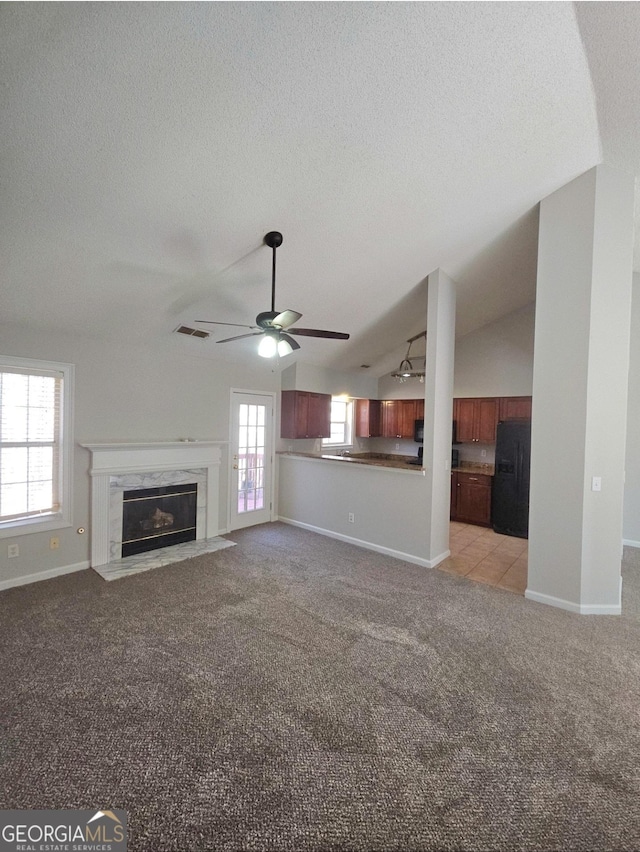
(441, 322)
(581, 357)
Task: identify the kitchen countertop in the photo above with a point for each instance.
(390, 460)
(474, 467)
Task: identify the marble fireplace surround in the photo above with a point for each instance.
(120, 467)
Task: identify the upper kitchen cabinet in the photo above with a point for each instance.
(305, 415)
(399, 416)
(368, 418)
(515, 408)
(476, 420)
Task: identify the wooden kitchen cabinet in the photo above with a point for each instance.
(398, 417)
(368, 418)
(305, 415)
(515, 408)
(476, 419)
(471, 498)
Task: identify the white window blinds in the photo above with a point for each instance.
(31, 427)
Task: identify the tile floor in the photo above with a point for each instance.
(480, 554)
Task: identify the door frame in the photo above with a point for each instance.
(271, 449)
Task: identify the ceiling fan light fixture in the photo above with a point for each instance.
(284, 348)
(268, 346)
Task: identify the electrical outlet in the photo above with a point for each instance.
(54, 542)
(13, 550)
(352, 518)
(397, 446)
(483, 454)
(596, 483)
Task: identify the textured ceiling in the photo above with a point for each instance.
(147, 148)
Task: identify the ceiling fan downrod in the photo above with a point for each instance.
(273, 239)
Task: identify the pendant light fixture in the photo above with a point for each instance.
(406, 370)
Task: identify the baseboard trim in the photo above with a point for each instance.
(629, 543)
(367, 545)
(43, 575)
(571, 606)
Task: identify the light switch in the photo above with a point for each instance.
(596, 483)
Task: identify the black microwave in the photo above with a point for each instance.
(418, 432)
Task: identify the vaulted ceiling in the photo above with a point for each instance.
(147, 149)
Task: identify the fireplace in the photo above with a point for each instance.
(158, 517)
(122, 467)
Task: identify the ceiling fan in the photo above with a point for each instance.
(275, 326)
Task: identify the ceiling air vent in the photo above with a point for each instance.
(192, 332)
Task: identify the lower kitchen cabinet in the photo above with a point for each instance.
(471, 498)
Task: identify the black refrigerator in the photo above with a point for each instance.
(510, 497)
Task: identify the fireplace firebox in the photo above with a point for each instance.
(158, 517)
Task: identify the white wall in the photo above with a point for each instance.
(497, 359)
(308, 377)
(390, 506)
(128, 393)
(631, 517)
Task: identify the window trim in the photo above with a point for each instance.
(63, 518)
(326, 442)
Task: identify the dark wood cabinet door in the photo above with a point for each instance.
(487, 420)
(399, 417)
(361, 418)
(375, 418)
(473, 500)
(407, 418)
(319, 415)
(515, 408)
(390, 418)
(368, 420)
(476, 419)
(291, 415)
(465, 417)
(305, 415)
(454, 495)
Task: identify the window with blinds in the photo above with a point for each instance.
(341, 423)
(33, 479)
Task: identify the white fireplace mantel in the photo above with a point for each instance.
(118, 459)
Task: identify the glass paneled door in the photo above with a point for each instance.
(251, 459)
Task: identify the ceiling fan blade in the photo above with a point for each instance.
(292, 343)
(236, 324)
(318, 332)
(240, 336)
(285, 319)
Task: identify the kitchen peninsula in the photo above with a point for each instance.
(383, 500)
